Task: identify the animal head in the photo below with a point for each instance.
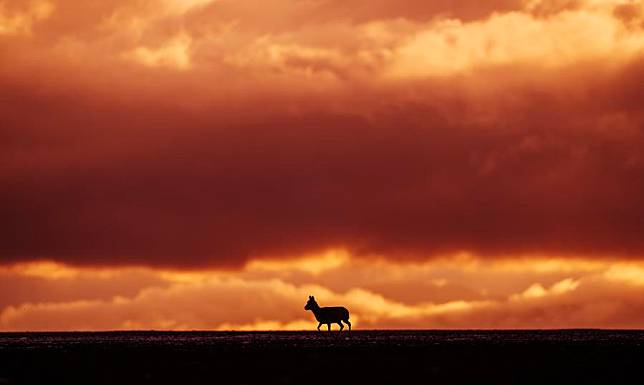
(311, 304)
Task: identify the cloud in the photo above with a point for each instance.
(227, 301)
(537, 291)
(46, 282)
(100, 183)
(215, 303)
(451, 46)
(19, 20)
(174, 53)
(143, 133)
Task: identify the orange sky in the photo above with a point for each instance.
(211, 163)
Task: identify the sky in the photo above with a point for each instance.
(209, 164)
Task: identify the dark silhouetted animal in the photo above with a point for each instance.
(328, 315)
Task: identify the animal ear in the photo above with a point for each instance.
(310, 297)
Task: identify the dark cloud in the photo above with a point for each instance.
(150, 136)
(541, 172)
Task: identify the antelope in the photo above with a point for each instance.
(328, 315)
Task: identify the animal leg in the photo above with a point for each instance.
(320, 324)
(348, 323)
(341, 326)
(329, 326)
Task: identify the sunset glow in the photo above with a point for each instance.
(382, 294)
(209, 164)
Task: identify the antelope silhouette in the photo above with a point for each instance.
(328, 315)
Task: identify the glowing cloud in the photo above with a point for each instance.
(20, 21)
(174, 53)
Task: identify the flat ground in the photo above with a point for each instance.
(396, 357)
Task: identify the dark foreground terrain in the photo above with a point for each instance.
(396, 357)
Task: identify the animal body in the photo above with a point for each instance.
(328, 315)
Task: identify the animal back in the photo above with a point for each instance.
(333, 314)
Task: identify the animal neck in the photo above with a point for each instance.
(315, 308)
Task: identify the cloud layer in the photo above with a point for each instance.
(465, 293)
(208, 133)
